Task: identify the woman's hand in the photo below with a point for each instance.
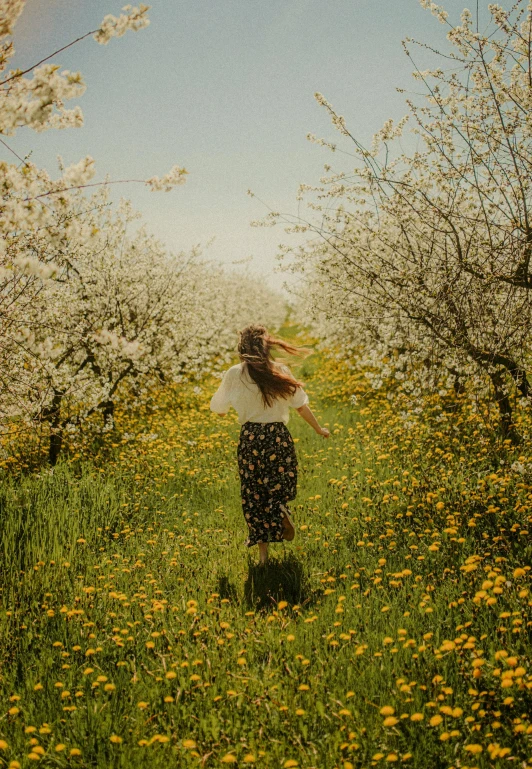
(309, 417)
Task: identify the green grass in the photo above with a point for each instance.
(377, 602)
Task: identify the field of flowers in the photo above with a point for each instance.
(137, 631)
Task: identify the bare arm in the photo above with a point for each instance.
(309, 417)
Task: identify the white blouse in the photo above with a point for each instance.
(237, 389)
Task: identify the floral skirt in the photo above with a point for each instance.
(267, 464)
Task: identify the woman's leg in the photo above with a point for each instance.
(263, 552)
(288, 528)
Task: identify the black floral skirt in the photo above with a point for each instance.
(267, 464)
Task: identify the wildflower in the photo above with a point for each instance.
(475, 749)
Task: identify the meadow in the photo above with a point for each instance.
(138, 631)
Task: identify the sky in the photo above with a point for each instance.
(225, 89)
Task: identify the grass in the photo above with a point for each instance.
(136, 630)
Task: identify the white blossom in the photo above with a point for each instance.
(174, 177)
(116, 26)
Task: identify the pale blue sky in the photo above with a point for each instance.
(225, 89)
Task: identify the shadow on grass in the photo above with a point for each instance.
(279, 580)
(226, 589)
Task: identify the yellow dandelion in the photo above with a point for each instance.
(116, 739)
(229, 758)
(390, 721)
(387, 710)
(475, 749)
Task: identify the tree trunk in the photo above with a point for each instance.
(53, 414)
(56, 442)
(108, 411)
(507, 427)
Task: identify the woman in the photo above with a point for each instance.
(262, 390)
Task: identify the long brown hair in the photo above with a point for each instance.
(254, 348)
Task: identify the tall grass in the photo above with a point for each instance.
(138, 631)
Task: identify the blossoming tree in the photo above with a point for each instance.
(425, 255)
(86, 303)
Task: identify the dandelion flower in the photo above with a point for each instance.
(390, 721)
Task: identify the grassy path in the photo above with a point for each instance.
(136, 629)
